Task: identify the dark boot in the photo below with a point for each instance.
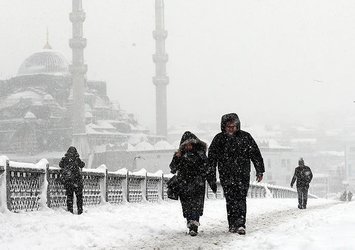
(241, 230)
(193, 227)
(193, 230)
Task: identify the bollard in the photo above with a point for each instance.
(125, 188)
(161, 187)
(144, 187)
(8, 194)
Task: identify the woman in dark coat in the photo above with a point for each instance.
(71, 178)
(190, 164)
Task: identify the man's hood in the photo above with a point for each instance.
(227, 118)
(72, 152)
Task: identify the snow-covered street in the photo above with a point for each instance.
(271, 224)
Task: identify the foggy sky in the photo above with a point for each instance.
(270, 61)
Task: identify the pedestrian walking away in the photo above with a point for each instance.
(71, 178)
(303, 175)
(233, 150)
(189, 164)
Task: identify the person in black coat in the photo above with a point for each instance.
(190, 164)
(303, 175)
(232, 150)
(71, 166)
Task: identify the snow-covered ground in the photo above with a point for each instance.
(271, 224)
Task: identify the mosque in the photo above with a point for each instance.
(50, 104)
(36, 108)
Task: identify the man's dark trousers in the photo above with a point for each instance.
(78, 189)
(302, 196)
(236, 195)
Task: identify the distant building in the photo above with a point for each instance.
(279, 162)
(36, 109)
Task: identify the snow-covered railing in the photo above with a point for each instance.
(27, 187)
(260, 190)
(117, 187)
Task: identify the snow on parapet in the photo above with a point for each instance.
(100, 169)
(141, 172)
(94, 170)
(268, 193)
(3, 206)
(168, 175)
(3, 160)
(43, 195)
(159, 173)
(122, 171)
(42, 164)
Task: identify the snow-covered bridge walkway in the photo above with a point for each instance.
(271, 224)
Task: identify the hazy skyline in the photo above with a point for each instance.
(269, 61)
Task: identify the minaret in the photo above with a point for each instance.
(47, 46)
(160, 79)
(78, 71)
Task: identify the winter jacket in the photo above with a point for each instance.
(191, 170)
(232, 154)
(304, 176)
(70, 166)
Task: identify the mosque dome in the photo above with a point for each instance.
(46, 62)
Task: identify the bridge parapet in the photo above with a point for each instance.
(28, 187)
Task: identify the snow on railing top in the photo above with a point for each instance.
(42, 164)
(100, 169)
(122, 171)
(168, 175)
(141, 172)
(159, 173)
(54, 168)
(3, 160)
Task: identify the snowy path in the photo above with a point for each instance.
(216, 235)
(271, 224)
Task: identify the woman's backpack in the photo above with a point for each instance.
(69, 173)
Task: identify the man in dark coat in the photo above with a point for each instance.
(303, 175)
(71, 166)
(190, 164)
(232, 149)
